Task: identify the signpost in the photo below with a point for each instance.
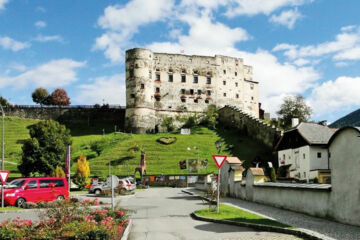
(219, 160)
(3, 176)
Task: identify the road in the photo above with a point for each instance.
(163, 213)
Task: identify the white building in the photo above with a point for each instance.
(303, 150)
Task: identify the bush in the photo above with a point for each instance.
(82, 172)
(167, 140)
(190, 122)
(168, 123)
(211, 117)
(273, 175)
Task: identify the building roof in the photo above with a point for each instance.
(340, 130)
(233, 160)
(315, 133)
(257, 171)
(237, 167)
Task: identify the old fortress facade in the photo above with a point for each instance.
(160, 85)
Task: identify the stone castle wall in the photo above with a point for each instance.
(160, 85)
(235, 118)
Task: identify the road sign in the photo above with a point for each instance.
(3, 176)
(219, 160)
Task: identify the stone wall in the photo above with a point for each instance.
(232, 117)
(71, 115)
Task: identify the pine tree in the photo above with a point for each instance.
(82, 172)
(59, 172)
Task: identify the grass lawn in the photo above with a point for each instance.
(160, 158)
(10, 208)
(238, 215)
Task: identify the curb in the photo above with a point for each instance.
(40, 209)
(297, 232)
(126, 234)
(305, 233)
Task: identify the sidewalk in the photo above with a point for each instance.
(298, 220)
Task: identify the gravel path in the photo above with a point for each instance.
(323, 226)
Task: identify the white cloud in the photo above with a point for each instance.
(52, 38)
(253, 7)
(2, 4)
(110, 89)
(343, 46)
(56, 73)
(301, 62)
(18, 67)
(122, 22)
(40, 24)
(13, 45)
(286, 18)
(332, 96)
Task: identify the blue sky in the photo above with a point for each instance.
(306, 47)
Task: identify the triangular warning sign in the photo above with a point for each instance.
(3, 176)
(219, 160)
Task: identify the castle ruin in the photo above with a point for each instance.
(160, 85)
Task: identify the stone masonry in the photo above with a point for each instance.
(160, 85)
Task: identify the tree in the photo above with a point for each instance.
(59, 97)
(210, 118)
(293, 107)
(40, 96)
(46, 148)
(4, 102)
(59, 172)
(168, 123)
(82, 172)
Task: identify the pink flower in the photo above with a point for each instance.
(120, 213)
(120, 228)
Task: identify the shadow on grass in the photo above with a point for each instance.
(262, 221)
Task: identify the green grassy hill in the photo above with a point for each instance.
(159, 158)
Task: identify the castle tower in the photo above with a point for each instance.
(140, 114)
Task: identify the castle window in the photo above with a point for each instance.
(192, 91)
(224, 94)
(142, 86)
(252, 98)
(208, 80)
(131, 73)
(236, 84)
(196, 78)
(132, 95)
(224, 71)
(183, 100)
(199, 92)
(171, 78)
(208, 92)
(207, 101)
(237, 95)
(183, 78)
(235, 74)
(224, 82)
(195, 100)
(183, 91)
(157, 90)
(157, 76)
(319, 154)
(150, 74)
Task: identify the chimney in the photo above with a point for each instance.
(323, 123)
(294, 122)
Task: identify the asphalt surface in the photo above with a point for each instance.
(163, 213)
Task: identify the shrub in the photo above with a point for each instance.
(211, 117)
(168, 123)
(273, 175)
(190, 122)
(82, 172)
(167, 140)
(59, 172)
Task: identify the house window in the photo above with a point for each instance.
(304, 174)
(208, 92)
(224, 71)
(183, 78)
(150, 74)
(196, 79)
(142, 86)
(192, 91)
(131, 72)
(235, 74)
(157, 90)
(199, 92)
(304, 156)
(236, 84)
(224, 82)
(171, 78)
(224, 94)
(157, 76)
(182, 91)
(195, 100)
(208, 80)
(237, 95)
(319, 154)
(284, 156)
(207, 101)
(183, 100)
(252, 98)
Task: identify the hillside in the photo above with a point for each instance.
(352, 119)
(161, 159)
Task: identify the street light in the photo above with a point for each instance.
(2, 153)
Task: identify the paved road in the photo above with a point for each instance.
(163, 213)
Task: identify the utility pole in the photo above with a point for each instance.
(2, 153)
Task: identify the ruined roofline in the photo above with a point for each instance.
(186, 55)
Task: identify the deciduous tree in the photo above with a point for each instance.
(46, 148)
(293, 107)
(82, 172)
(59, 97)
(40, 96)
(3, 102)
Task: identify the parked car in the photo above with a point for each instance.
(127, 183)
(97, 188)
(38, 189)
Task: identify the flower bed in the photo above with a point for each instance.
(69, 220)
(86, 202)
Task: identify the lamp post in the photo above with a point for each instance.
(2, 153)
(218, 145)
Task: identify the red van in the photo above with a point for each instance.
(37, 189)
